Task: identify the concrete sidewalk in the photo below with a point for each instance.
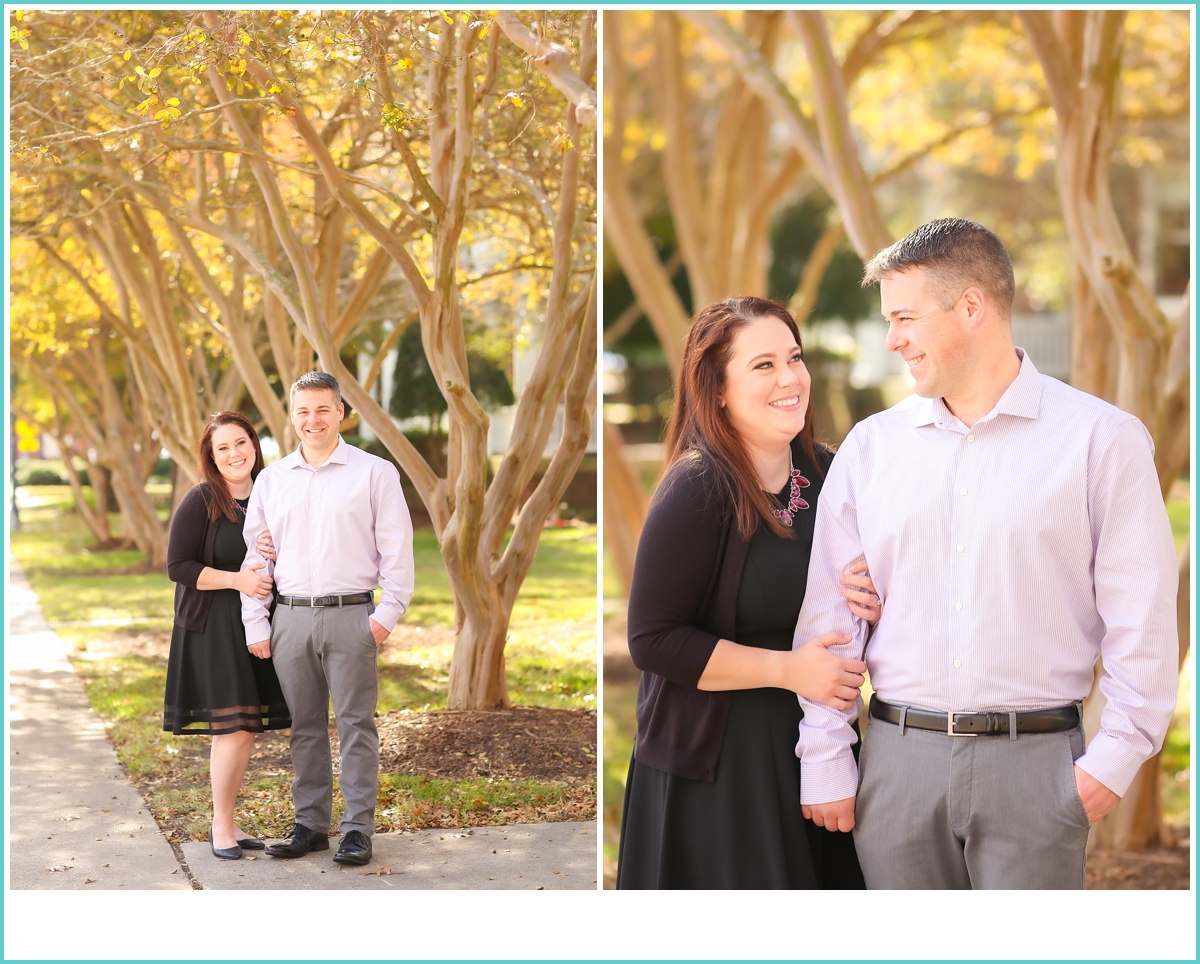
(74, 819)
(540, 856)
(76, 822)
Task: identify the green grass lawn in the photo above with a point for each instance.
(551, 661)
(551, 654)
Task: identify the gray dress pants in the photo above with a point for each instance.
(318, 653)
(984, 813)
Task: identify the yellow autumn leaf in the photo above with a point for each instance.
(155, 71)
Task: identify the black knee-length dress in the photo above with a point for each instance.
(745, 829)
(214, 684)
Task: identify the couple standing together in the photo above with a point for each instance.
(980, 545)
(275, 572)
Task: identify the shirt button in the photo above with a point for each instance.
(963, 490)
(958, 662)
(970, 438)
(958, 605)
(960, 548)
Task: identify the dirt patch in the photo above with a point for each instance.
(1161, 868)
(524, 742)
(108, 642)
(534, 742)
(408, 637)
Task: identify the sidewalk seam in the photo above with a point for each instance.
(178, 851)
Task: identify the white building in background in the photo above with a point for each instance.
(500, 429)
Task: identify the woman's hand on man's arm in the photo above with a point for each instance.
(811, 670)
(266, 547)
(861, 595)
(249, 581)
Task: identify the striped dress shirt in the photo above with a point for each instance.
(1009, 556)
(340, 528)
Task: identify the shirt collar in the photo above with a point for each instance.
(1023, 398)
(339, 456)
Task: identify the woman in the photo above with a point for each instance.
(712, 798)
(214, 685)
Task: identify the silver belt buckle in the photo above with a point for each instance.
(950, 731)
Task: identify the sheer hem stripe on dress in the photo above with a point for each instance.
(203, 722)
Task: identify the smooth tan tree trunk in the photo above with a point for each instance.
(1116, 314)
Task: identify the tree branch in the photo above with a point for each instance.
(553, 60)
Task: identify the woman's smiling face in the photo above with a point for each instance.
(766, 388)
(233, 453)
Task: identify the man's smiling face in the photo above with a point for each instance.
(316, 417)
(932, 340)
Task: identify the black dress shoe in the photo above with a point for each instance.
(355, 848)
(249, 843)
(300, 840)
(228, 853)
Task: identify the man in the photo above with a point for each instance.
(1015, 532)
(340, 526)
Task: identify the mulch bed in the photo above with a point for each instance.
(1161, 868)
(523, 742)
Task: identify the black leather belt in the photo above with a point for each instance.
(978, 724)
(353, 599)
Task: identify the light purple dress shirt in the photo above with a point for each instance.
(1009, 556)
(340, 528)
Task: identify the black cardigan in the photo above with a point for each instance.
(189, 551)
(683, 600)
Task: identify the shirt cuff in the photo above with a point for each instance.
(257, 631)
(835, 779)
(1111, 761)
(386, 616)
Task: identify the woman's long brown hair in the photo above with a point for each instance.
(699, 426)
(217, 497)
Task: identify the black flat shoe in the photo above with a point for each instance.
(355, 849)
(249, 843)
(229, 853)
(299, 841)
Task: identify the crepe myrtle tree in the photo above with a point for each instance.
(288, 165)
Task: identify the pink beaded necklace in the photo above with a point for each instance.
(795, 503)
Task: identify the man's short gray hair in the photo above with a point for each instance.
(316, 382)
(958, 254)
